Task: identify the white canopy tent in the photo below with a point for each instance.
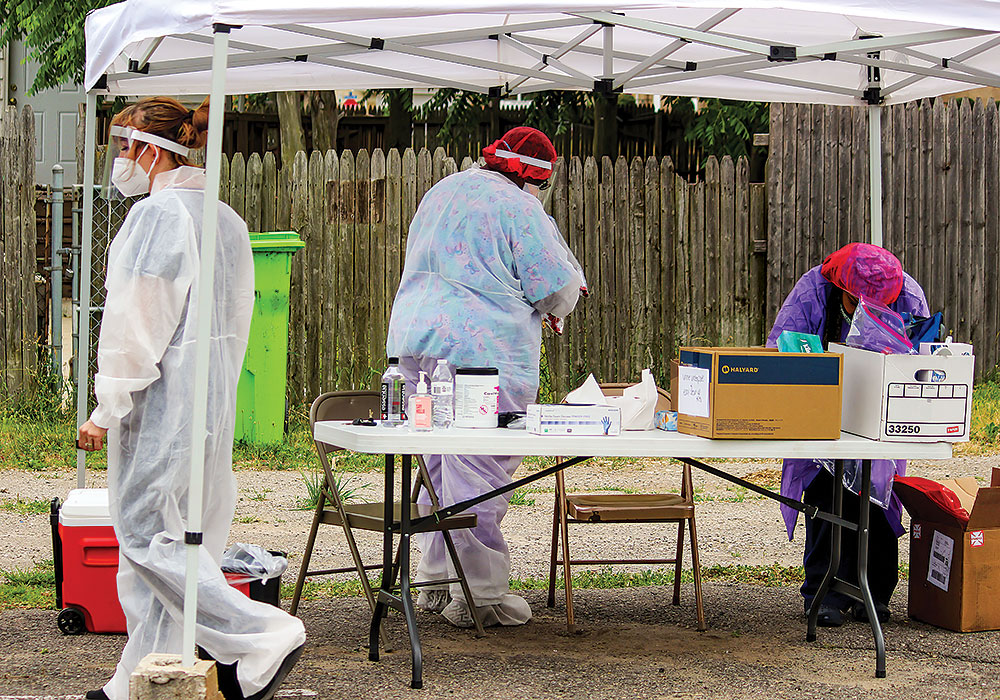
(846, 52)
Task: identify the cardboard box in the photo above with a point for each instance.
(907, 398)
(759, 393)
(573, 419)
(955, 566)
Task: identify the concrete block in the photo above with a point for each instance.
(162, 677)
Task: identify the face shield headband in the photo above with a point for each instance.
(122, 138)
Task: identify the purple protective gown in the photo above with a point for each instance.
(804, 311)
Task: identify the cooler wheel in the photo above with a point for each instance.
(71, 621)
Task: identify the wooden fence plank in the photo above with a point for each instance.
(941, 214)
(700, 332)
(437, 164)
(29, 315)
(728, 252)
(298, 295)
(816, 188)
(831, 179)
(742, 248)
(224, 180)
(668, 259)
(378, 266)
(6, 295)
(845, 173)
(269, 194)
(238, 184)
(652, 355)
(314, 338)
(283, 212)
(860, 230)
(408, 206)
(254, 183)
(575, 226)
(638, 320)
(712, 251)
(346, 345)
(683, 313)
(362, 270)
(594, 243)
(977, 238)
(759, 230)
(623, 264)
(991, 282)
(332, 297)
(425, 173)
(393, 231)
(608, 367)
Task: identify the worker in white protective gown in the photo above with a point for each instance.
(484, 264)
(144, 387)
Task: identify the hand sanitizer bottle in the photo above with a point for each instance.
(420, 407)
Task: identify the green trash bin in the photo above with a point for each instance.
(260, 396)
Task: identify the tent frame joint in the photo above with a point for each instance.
(873, 96)
(377, 44)
(222, 28)
(606, 87)
(496, 92)
(782, 54)
(193, 537)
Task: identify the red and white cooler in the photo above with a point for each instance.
(85, 552)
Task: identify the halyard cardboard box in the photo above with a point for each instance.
(906, 398)
(955, 566)
(758, 393)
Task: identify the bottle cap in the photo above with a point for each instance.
(422, 384)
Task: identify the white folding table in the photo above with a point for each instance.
(652, 443)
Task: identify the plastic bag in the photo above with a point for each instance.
(883, 473)
(254, 562)
(637, 402)
(878, 328)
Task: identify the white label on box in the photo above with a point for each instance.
(916, 531)
(693, 395)
(939, 568)
(977, 538)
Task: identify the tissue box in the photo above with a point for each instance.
(573, 419)
(665, 420)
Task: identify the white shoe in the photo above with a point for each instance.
(433, 600)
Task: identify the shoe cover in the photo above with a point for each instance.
(512, 610)
(433, 599)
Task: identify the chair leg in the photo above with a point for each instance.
(678, 563)
(307, 556)
(567, 572)
(464, 583)
(697, 577)
(555, 548)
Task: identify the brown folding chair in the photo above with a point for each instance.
(331, 509)
(574, 508)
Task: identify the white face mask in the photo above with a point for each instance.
(129, 177)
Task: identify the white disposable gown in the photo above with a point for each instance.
(483, 261)
(144, 387)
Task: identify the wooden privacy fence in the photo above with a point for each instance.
(667, 262)
(18, 319)
(941, 214)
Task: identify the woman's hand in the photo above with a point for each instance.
(90, 437)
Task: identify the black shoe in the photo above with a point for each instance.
(861, 615)
(268, 691)
(829, 615)
(98, 694)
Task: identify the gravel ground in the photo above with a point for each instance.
(631, 642)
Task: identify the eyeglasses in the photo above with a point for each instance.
(544, 184)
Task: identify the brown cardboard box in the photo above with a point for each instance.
(955, 566)
(674, 365)
(759, 393)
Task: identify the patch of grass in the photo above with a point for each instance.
(26, 507)
(520, 497)
(29, 588)
(247, 519)
(985, 430)
(349, 486)
(260, 496)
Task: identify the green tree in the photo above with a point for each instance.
(723, 127)
(52, 31)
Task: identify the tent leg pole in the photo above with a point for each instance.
(206, 282)
(82, 359)
(875, 170)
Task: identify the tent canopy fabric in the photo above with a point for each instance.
(789, 51)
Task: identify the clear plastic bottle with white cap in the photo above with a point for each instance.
(443, 393)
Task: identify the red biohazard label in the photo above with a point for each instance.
(977, 538)
(954, 429)
(916, 531)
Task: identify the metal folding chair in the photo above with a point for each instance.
(331, 509)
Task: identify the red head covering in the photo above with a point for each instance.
(523, 151)
(863, 269)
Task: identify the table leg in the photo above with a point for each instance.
(417, 660)
(385, 587)
(866, 594)
(836, 534)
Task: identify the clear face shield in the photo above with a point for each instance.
(127, 144)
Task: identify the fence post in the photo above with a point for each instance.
(55, 268)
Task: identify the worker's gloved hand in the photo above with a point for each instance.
(90, 437)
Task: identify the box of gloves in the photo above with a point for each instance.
(758, 393)
(573, 419)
